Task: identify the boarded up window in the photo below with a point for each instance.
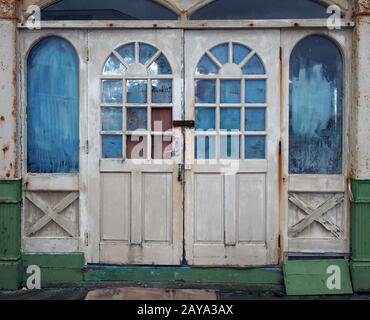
(52, 108)
(316, 107)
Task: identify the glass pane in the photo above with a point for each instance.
(136, 147)
(255, 147)
(255, 119)
(261, 10)
(161, 147)
(52, 108)
(221, 52)
(107, 10)
(205, 148)
(240, 52)
(112, 91)
(137, 119)
(161, 119)
(137, 91)
(205, 119)
(230, 91)
(230, 147)
(254, 66)
(160, 66)
(205, 91)
(316, 108)
(127, 52)
(255, 91)
(230, 119)
(207, 66)
(113, 66)
(162, 91)
(111, 119)
(146, 52)
(112, 146)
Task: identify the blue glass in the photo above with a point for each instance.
(137, 119)
(52, 107)
(160, 66)
(111, 119)
(316, 107)
(205, 91)
(162, 91)
(255, 91)
(255, 119)
(255, 147)
(112, 146)
(205, 148)
(221, 52)
(112, 91)
(207, 66)
(230, 147)
(137, 91)
(254, 66)
(146, 51)
(127, 52)
(205, 119)
(240, 52)
(230, 91)
(230, 119)
(113, 66)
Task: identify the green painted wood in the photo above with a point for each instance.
(360, 191)
(360, 273)
(54, 260)
(360, 231)
(10, 275)
(10, 231)
(310, 277)
(50, 276)
(10, 191)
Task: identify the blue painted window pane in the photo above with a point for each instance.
(127, 52)
(240, 52)
(230, 119)
(255, 147)
(205, 148)
(221, 52)
(112, 91)
(207, 66)
(316, 107)
(254, 66)
(146, 52)
(137, 91)
(230, 91)
(137, 119)
(255, 119)
(53, 108)
(255, 91)
(230, 147)
(162, 91)
(205, 119)
(113, 66)
(111, 119)
(160, 66)
(205, 91)
(112, 146)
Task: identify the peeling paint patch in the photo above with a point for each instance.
(7, 8)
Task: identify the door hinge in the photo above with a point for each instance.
(180, 172)
(86, 240)
(279, 241)
(87, 54)
(281, 53)
(87, 146)
(280, 147)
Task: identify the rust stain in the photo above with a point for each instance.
(2, 118)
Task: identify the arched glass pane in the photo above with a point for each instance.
(146, 52)
(52, 107)
(113, 66)
(127, 52)
(207, 66)
(160, 66)
(316, 107)
(107, 10)
(240, 52)
(221, 52)
(257, 9)
(254, 66)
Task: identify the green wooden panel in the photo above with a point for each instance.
(360, 272)
(54, 260)
(50, 276)
(10, 231)
(311, 277)
(360, 191)
(360, 231)
(10, 275)
(10, 191)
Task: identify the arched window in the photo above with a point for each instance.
(230, 104)
(316, 107)
(137, 103)
(52, 107)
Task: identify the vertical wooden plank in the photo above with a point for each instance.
(136, 212)
(231, 199)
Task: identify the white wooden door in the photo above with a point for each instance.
(231, 196)
(135, 199)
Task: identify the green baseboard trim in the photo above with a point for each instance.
(360, 190)
(310, 277)
(54, 260)
(10, 191)
(10, 275)
(360, 273)
(10, 231)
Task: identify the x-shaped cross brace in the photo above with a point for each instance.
(316, 214)
(53, 213)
